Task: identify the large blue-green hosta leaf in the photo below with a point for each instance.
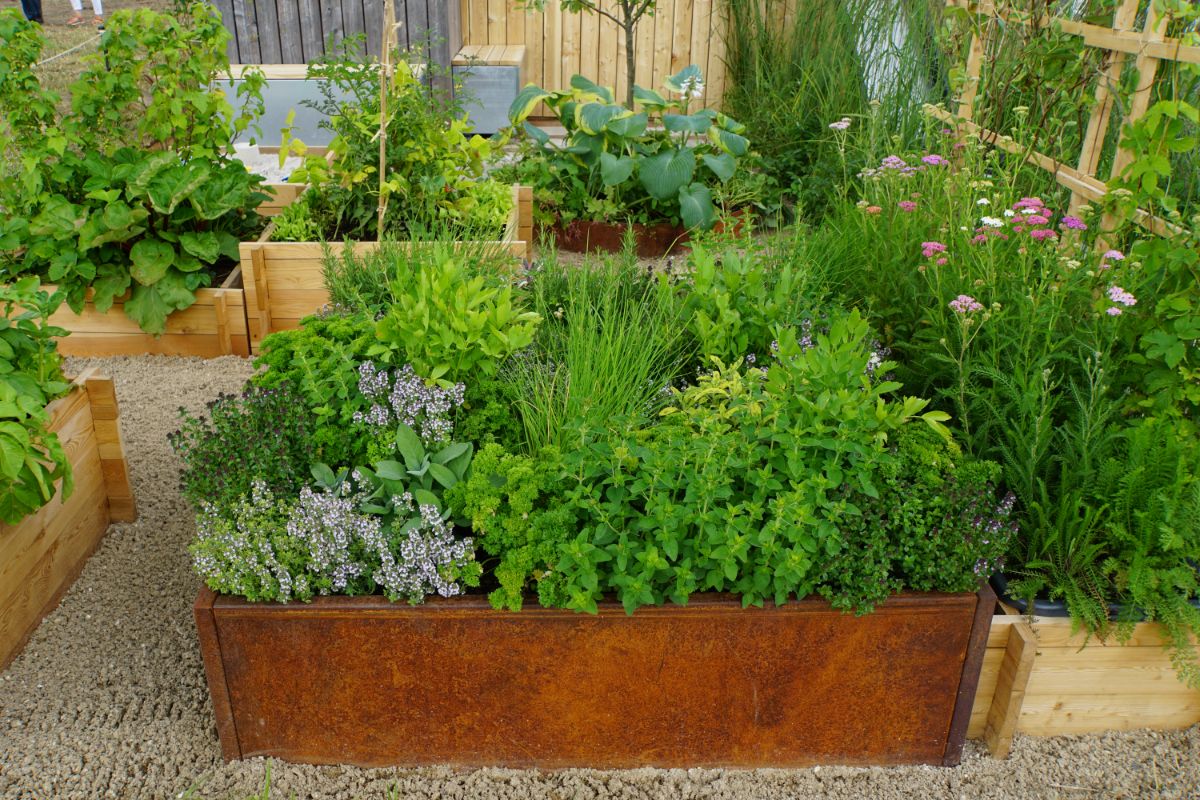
(696, 206)
(664, 174)
(615, 170)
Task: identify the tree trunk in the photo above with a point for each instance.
(630, 60)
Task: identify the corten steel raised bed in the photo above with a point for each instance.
(41, 555)
(652, 241)
(285, 281)
(366, 682)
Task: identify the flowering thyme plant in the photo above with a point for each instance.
(263, 549)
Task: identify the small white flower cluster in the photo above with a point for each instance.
(425, 409)
(693, 87)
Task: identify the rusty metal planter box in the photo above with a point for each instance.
(367, 682)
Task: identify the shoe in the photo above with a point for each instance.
(99, 23)
(75, 21)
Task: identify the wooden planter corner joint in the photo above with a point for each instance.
(359, 680)
(41, 556)
(1040, 679)
(285, 281)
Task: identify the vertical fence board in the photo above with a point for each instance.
(247, 31)
(352, 18)
(225, 9)
(268, 31)
(331, 22)
(373, 22)
(291, 41)
(312, 32)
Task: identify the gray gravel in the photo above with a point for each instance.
(109, 701)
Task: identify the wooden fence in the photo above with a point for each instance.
(559, 45)
(681, 32)
(1149, 45)
(297, 31)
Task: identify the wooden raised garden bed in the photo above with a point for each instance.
(1041, 679)
(285, 281)
(41, 556)
(214, 326)
(359, 680)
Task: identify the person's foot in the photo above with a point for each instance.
(99, 23)
(75, 21)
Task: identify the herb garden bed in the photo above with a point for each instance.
(1044, 680)
(284, 280)
(360, 680)
(41, 555)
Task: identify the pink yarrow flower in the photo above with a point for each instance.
(841, 125)
(965, 304)
(1119, 295)
(929, 248)
(1113, 311)
(934, 160)
(1113, 255)
(872, 209)
(1074, 223)
(1043, 234)
(1036, 219)
(1028, 202)
(907, 205)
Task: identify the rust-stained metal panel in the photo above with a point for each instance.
(362, 681)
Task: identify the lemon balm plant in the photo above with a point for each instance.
(652, 160)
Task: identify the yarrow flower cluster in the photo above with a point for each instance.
(907, 206)
(965, 304)
(1110, 255)
(841, 125)
(425, 409)
(934, 160)
(1122, 298)
(928, 249)
(1073, 223)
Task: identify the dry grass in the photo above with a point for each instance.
(59, 74)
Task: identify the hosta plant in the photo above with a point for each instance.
(657, 161)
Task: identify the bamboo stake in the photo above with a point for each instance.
(385, 73)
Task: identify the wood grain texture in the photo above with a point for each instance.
(41, 555)
(709, 684)
(1009, 693)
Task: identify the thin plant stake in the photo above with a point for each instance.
(385, 73)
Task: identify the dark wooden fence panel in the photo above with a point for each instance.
(297, 31)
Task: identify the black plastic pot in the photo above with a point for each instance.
(1043, 607)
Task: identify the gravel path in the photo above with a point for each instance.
(109, 701)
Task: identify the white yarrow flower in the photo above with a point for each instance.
(992, 222)
(983, 201)
(1008, 212)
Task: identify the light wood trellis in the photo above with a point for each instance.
(1149, 46)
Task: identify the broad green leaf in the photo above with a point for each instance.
(149, 306)
(587, 86)
(151, 258)
(691, 123)
(443, 475)
(172, 186)
(648, 98)
(629, 127)
(613, 170)
(409, 445)
(219, 196)
(696, 206)
(723, 165)
(450, 452)
(204, 246)
(592, 117)
(391, 470)
(729, 142)
(59, 218)
(525, 101)
(536, 133)
(664, 174)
